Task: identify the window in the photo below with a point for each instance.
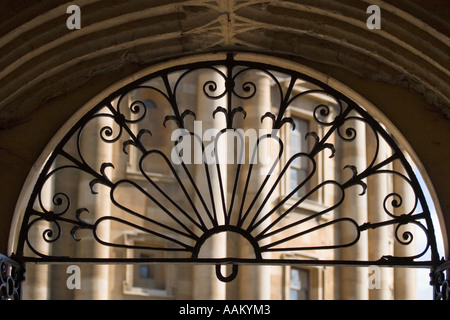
(149, 276)
(299, 284)
(299, 168)
(150, 280)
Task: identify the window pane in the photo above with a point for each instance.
(293, 294)
(299, 284)
(301, 129)
(147, 275)
(304, 280)
(296, 177)
(304, 162)
(293, 179)
(296, 162)
(301, 176)
(144, 271)
(299, 168)
(295, 278)
(295, 141)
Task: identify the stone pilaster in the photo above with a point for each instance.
(205, 283)
(354, 279)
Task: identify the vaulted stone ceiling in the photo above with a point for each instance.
(41, 59)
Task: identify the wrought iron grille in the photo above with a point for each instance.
(81, 192)
(11, 276)
(440, 281)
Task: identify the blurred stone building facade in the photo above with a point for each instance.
(140, 194)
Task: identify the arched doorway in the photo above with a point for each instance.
(231, 160)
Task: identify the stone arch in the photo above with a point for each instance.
(22, 230)
(406, 60)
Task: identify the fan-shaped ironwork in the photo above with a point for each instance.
(197, 206)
